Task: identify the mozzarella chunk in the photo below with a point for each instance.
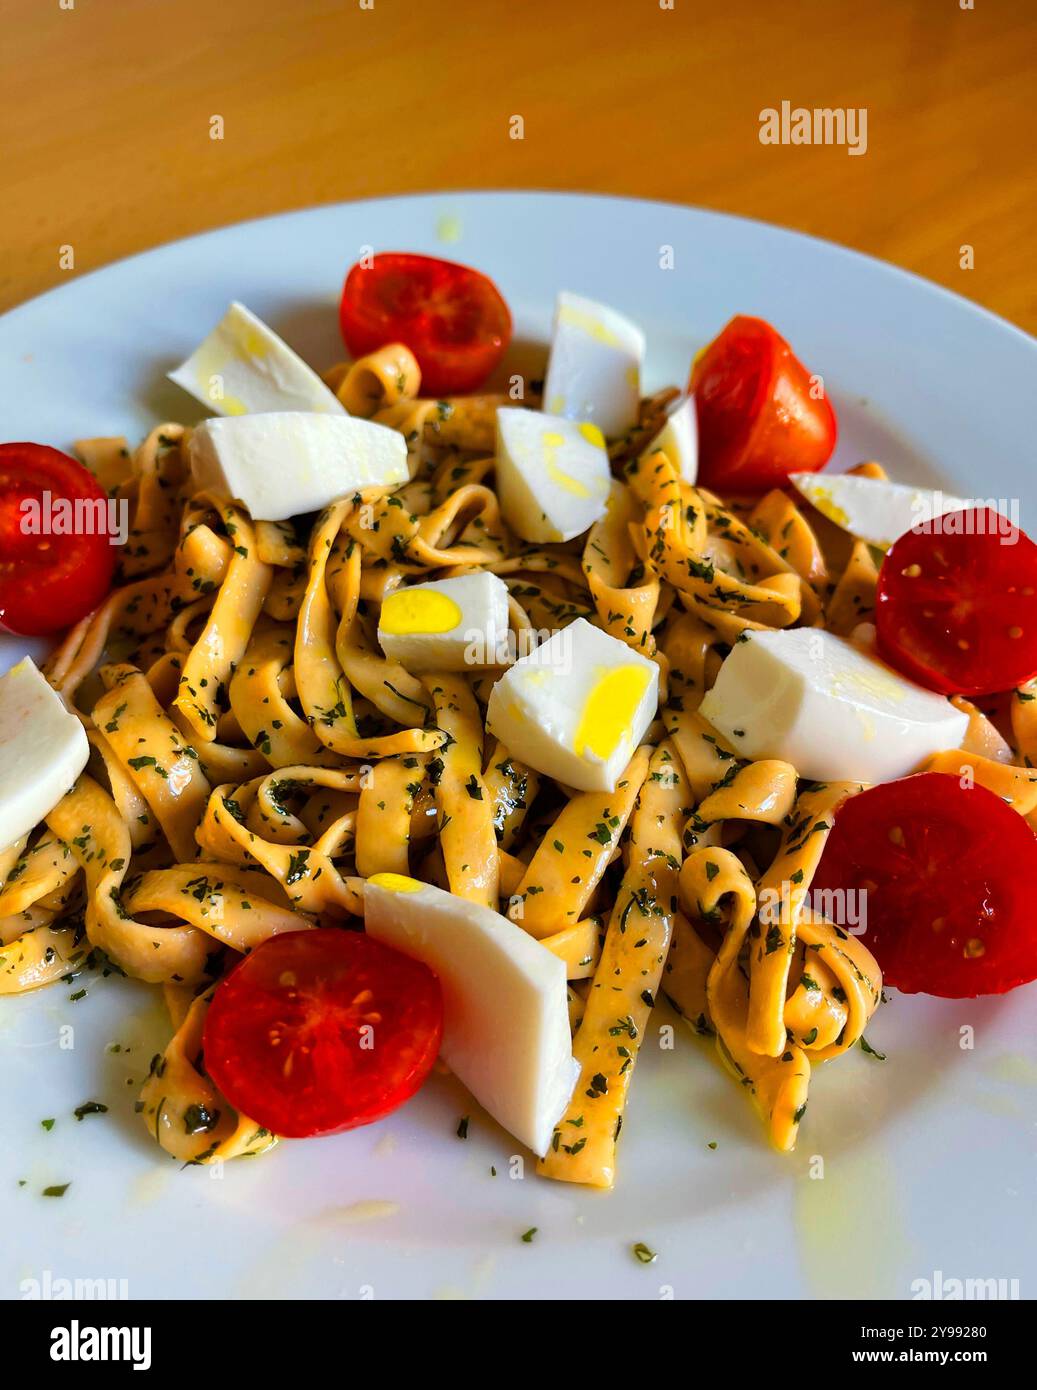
(553, 475)
(832, 711)
(577, 707)
(679, 438)
(872, 509)
(594, 370)
(288, 462)
(244, 368)
(43, 749)
(505, 1018)
(447, 624)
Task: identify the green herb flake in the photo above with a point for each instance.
(90, 1107)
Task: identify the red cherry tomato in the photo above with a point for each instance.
(320, 1031)
(48, 579)
(949, 875)
(956, 606)
(759, 414)
(452, 318)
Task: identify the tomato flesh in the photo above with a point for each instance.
(956, 604)
(760, 417)
(320, 1031)
(452, 318)
(49, 579)
(948, 873)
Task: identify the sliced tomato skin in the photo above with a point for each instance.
(320, 1031)
(48, 582)
(758, 417)
(453, 318)
(949, 873)
(938, 589)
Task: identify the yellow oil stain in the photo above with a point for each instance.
(534, 678)
(297, 1255)
(254, 344)
(850, 1229)
(150, 1185)
(826, 504)
(587, 323)
(878, 684)
(1014, 1069)
(552, 442)
(210, 366)
(996, 1103)
(449, 228)
(372, 1209)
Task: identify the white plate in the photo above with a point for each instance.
(928, 1158)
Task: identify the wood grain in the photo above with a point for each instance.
(106, 110)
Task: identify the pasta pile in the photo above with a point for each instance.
(255, 757)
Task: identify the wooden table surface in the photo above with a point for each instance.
(107, 109)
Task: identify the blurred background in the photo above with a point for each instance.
(108, 108)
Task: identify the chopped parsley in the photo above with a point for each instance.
(90, 1107)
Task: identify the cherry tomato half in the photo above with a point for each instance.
(56, 561)
(320, 1031)
(956, 605)
(949, 874)
(760, 414)
(452, 318)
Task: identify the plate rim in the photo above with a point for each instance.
(910, 277)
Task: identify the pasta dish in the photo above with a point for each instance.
(417, 720)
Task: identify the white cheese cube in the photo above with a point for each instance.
(872, 509)
(594, 370)
(506, 1029)
(244, 368)
(43, 749)
(577, 707)
(553, 475)
(447, 624)
(282, 464)
(821, 704)
(679, 438)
